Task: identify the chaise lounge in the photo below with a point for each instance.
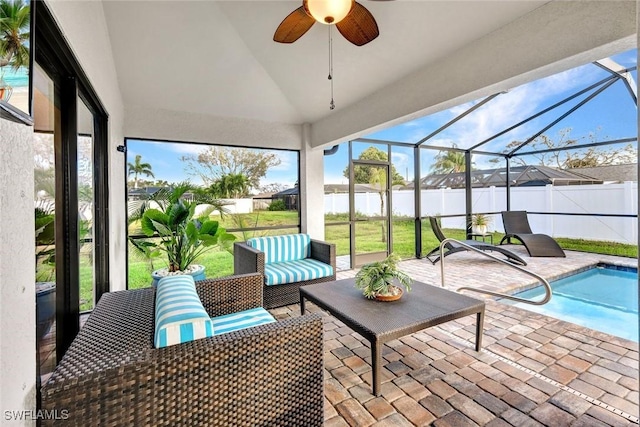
(453, 248)
(114, 375)
(516, 225)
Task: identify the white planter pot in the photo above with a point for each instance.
(479, 229)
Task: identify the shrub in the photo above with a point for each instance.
(277, 205)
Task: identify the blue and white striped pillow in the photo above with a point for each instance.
(241, 320)
(180, 316)
(288, 247)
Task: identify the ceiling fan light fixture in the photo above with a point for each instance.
(328, 11)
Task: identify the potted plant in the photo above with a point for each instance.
(181, 235)
(479, 223)
(380, 279)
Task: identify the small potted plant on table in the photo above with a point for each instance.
(382, 280)
(480, 223)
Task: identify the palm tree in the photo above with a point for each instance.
(14, 33)
(449, 162)
(378, 180)
(138, 168)
(233, 185)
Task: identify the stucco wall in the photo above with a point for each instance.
(17, 274)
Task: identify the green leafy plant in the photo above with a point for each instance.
(277, 205)
(480, 219)
(45, 241)
(378, 277)
(182, 236)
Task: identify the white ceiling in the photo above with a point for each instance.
(218, 58)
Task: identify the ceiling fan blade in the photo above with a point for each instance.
(293, 26)
(359, 27)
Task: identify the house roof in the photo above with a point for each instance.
(520, 176)
(611, 173)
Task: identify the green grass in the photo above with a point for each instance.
(369, 238)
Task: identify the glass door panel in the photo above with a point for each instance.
(46, 133)
(370, 211)
(371, 242)
(85, 207)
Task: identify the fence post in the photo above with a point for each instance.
(629, 209)
(548, 189)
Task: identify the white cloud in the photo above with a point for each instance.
(287, 161)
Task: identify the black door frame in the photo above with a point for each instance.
(54, 55)
(352, 213)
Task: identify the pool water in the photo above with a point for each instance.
(604, 298)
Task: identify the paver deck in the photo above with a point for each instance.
(533, 370)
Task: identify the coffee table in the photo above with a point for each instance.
(379, 322)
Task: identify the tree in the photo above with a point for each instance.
(231, 186)
(449, 162)
(274, 187)
(578, 158)
(214, 163)
(138, 168)
(14, 33)
(362, 174)
(375, 176)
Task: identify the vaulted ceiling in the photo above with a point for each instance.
(217, 58)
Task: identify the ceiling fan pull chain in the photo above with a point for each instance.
(332, 104)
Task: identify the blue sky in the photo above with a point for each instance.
(610, 115)
(164, 158)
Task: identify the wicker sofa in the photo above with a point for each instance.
(248, 259)
(262, 376)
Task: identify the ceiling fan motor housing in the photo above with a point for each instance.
(328, 11)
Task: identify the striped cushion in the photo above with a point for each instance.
(241, 320)
(296, 271)
(290, 247)
(180, 316)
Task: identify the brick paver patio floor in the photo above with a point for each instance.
(533, 370)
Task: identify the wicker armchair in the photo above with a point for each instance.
(250, 260)
(113, 376)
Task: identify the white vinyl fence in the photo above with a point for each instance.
(618, 199)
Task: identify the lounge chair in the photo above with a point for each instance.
(452, 247)
(516, 225)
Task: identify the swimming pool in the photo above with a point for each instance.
(604, 298)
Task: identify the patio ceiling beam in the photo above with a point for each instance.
(382, 141)
(577, 147)
(616, 69)
(563, 116)
(459, 117)
(546, 110)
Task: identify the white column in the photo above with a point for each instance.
(17, 275)
(311, 187)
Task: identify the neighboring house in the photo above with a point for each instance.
(344, 188)
(262, 201)
(142, 193)
(611, 174)
(520, 176)
(289, 196)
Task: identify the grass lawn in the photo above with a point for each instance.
(369, 238)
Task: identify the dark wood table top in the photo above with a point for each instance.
(423, 307)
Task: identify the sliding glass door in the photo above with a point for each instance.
(71, 193)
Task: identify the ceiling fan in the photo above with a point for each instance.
(353, 20)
